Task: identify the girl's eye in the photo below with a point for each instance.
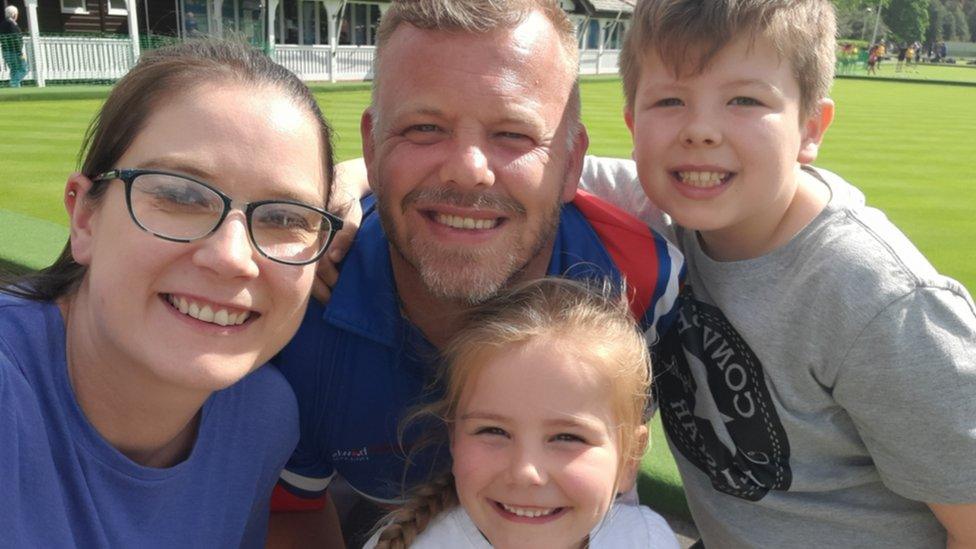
(568, 437)
(491, 431)
(669, 102)
(745, 102)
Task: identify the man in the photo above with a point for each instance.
(474, 149)
(12, 45)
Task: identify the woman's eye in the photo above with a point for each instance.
(745, 102)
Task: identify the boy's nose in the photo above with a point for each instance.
(700, 132)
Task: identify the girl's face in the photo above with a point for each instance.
(252, 144)
(535, 454)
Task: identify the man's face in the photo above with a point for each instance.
(469, 155)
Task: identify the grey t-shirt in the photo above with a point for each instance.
(818, 395)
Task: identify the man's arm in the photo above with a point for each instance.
(960, 524)
(316, 528)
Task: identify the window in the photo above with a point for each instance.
(117, 7)
(73, 6)
(358, 25)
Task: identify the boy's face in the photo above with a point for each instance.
(720, 151)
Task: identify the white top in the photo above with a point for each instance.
(625, 527)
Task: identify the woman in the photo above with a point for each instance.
(132, 409)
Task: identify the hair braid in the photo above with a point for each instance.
(401, 527)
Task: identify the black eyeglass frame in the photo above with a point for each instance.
(128, 176)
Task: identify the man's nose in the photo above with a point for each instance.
(468, 164)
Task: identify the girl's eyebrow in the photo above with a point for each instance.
(483, 415)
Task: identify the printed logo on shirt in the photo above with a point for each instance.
(715, 404)
(354, 455)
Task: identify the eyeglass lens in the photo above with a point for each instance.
(183, 209)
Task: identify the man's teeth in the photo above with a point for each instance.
(703, 179)
(458, 222)
(221, 317)
(531, 513)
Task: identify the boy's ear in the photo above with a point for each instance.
(631, 464)
(629, 119)
(80, 215)
(813, 130)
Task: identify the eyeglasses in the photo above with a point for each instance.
(181, 209)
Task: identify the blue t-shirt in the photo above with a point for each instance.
(63, 485)
(358, 365)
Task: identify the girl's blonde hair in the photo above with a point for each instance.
(596, 319)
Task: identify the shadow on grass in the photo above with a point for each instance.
(663, 497)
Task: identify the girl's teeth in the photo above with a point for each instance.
(530, 513)
(221, 317)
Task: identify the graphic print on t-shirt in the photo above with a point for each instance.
(715, 404)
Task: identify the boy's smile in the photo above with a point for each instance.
(720, 151)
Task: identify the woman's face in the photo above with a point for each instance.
(252, 143)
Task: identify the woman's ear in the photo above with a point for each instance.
(631, 463)
(80, 216)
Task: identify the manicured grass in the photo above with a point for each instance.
(926, 71)
(906, 145)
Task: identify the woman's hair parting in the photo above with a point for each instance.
(163, 75)
(590, 320)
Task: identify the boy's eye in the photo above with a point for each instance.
(568, 437)
(669, 102)
(745, 102)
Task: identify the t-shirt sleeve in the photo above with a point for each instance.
(909, 384)
(309, 470)
(615, 180)
(661, 534)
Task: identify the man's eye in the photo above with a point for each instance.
(745, 102)
(423, 128)
(512, 135)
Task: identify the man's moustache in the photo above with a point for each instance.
(446, 196)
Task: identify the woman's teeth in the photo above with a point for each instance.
(530, 513)
(458, 222)
(221, 317)
(703, 180)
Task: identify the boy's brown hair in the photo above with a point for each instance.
(687, 34)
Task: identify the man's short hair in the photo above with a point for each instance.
(10, 12)
(687, 34)
(479, 17)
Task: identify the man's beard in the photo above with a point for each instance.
(469, 276)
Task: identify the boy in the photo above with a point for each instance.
(819, 387)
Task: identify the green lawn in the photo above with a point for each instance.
(925, 71)
(907, 145)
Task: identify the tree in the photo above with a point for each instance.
(907, 19)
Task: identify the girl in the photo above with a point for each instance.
(544, 392)
(132, 409)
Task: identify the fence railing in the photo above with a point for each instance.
(86, 58)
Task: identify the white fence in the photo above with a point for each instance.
(83, 58)
(68, 59)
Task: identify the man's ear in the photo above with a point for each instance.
(813, 130)
(369, 144)
(574, 168)
(81, 214)
(631, 464)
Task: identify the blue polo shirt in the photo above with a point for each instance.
(357, 365)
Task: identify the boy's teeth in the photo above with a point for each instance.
(458, 222)
(221, 317)
(702, 179)
(531, 513)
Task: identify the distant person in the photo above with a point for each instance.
(902, 56)
(545, 390)
(873, 59)
(12, 45)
